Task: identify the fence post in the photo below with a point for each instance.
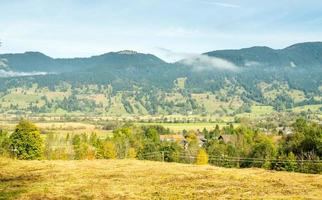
(162, 154)
(238, 162)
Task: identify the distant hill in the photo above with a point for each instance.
(36, 61)
(225, 82)
(299, 55)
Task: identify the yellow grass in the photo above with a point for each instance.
(131, 179)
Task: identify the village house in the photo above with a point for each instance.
(228, 138)
(181, 139)
(172, 138)
(284, 130)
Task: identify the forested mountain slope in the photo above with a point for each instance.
(219, 82)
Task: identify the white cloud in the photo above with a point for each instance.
(4, 73)
(205, 63)
(197, 61)
(3, 63)
(172, 56)
(249, 63)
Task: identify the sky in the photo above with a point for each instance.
(169, 29)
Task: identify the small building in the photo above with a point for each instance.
(284, 130)
(201, 140)
(171, 138)
(228, 138)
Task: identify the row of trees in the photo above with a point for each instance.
(248, 147)
(228, 147)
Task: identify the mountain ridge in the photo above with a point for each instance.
(308, 54)
(129, 82)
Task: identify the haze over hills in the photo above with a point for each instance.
(224, 82)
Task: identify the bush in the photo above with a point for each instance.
(109, 150)
(4, 143)
(202, 157)
(131, 153)
(171, 151)
(25, 141)
(291, 164)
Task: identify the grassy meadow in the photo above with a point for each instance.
(133, 179)
(63, 128)
(179, 127)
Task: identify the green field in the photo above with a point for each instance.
(179, 127)
(312, 108)
(257, 111)
(64, 128)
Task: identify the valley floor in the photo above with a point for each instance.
(132, 179)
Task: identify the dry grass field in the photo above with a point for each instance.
(132, 179)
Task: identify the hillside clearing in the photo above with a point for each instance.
(132, 179)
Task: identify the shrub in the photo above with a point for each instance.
(25, 141)
(171, 151)
(202, 157)
(83, 151)
(109, 150)
(131, 153)
(4, 143)
(291, 164)
(60, 154)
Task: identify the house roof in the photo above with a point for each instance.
(227, 138)
(173, 137)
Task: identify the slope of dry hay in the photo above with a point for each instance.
(131, 179)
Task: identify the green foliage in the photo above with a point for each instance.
(82, 149)
(4, 143)
(171, 151)
(147, 91)
(25, 141)
(123, 138)
(111, 125)
(291, 164)
(150, 151)
(263, 148)
(306, 139)
(242, 146)
(152, 135)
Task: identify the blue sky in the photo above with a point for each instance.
(168, 28)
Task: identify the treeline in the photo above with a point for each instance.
(243, 147)
(153, 81)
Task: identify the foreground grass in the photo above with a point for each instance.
(131, 179)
